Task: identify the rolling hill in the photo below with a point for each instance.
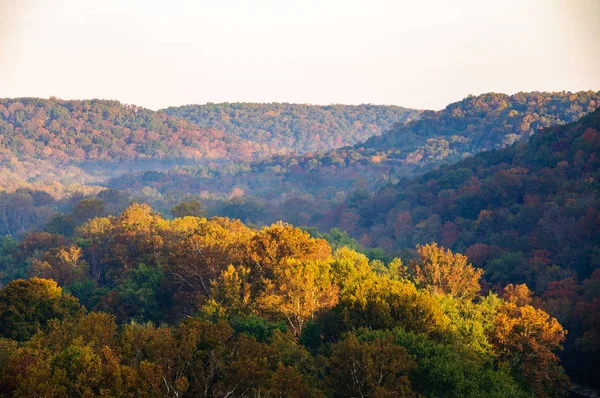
(86, 141)
(313, 180)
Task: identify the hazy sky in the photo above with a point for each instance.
(422, 54)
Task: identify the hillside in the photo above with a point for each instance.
(136, 304)
(296, 127)
(473, 125)
(529, 213)
(42, 140)
(525, 214)
(316, 179)
(538, 192)
(85, 141)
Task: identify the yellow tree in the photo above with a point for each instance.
(298, 290)
(518, 294)
(198, 257)
(525, 338)
(117, 244)
(443, 272)
(381, 301)
(231, 291)
(63, 264)
(274, 245)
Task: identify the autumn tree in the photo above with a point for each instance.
(298, 290)
(519, 295)
(443, 272)
(380, 303)
(199, 255)
(27, 305)
(115, 244)
(525, 338)
(274, 245)
(64, 264)
(377, 368)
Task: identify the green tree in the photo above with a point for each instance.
(377, 368)
(193, 208)
(26, 306)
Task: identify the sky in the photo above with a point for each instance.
(420, 54)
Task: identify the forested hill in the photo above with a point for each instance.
(529, 213)
(99, 130)
(313, 180)
(301, 128)
(52, 140)
(536, 195)
(488, 121)
(475, 124)
(55, 141)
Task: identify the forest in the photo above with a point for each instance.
(298, 128)
(301, 188)
(222, 250)
(56, 142)
(525, 214)
(139, 305)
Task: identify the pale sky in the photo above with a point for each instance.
(420, 54)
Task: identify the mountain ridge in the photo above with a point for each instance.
(317, 178)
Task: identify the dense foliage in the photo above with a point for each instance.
(75, 141)
(138, 305)
(526, 214)
(109, 298)
(45, 139)
(315, 180)
(300, 128)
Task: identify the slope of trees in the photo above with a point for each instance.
(315, 180)
(46, 140)
(248, 312)
(526, 214)
(300, 128)
(41, 140)
(536, 196)
(62, 147)
(475, 124)
(99, 130)
(114, 299)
